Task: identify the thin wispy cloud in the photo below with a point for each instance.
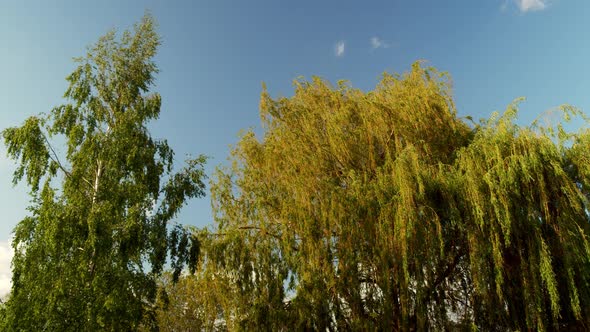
(6, 254)
(504, 5)
(339, 49)
(531, 5)
(376, 42)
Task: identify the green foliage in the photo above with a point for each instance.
(385, 211)
(187, 305)
(88, 256)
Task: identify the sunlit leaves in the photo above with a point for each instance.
(384, 210)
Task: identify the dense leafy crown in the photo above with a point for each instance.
(88, 256)
(385, 211)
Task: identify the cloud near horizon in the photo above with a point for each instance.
(339, 48)
(531, 5)
(6, 254)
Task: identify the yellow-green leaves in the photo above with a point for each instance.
(384, 210)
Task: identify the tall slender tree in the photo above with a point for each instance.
(386, 211)
(97, 236)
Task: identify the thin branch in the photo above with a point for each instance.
(259, 229)
(55, 159)
(442, 276)
(263, 231)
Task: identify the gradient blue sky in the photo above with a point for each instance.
(215, 54)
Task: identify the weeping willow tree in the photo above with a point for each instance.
(386, 211)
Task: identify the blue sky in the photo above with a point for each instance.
(216, 54)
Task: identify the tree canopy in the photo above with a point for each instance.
(97, 236)
(354, 210)
(384, 210)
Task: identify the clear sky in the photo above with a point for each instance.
(216, 54)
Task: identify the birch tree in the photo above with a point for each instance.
(97, 236)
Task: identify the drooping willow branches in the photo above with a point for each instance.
(385, 210)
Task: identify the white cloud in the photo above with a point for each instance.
(376, 42)
(531, 5)
(6, 254)
(339, 48)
